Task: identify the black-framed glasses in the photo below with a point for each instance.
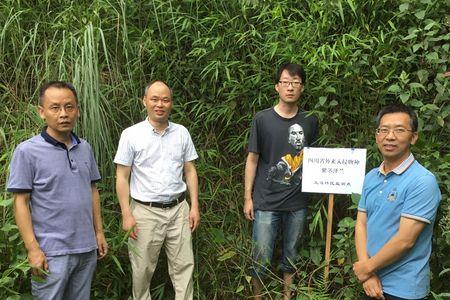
(397, 131)
(285, 83)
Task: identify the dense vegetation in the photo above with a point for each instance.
(220, 57)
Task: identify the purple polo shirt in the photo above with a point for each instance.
(59, 182)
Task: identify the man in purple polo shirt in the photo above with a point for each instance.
(56, 202)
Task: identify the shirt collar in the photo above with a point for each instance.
(54, 142)
(168, 128)
(400, 168)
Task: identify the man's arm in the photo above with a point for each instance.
(251, 165)
(361, 236)
(98, 224)
(36, 256)
(372, 286)
(123, 193)
(190, 173)
(393, 250)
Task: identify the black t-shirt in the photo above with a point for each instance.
(279, 143)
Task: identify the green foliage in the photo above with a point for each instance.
(220, 58)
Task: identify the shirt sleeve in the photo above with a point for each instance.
(253, 145)
(362, 201)
(190, 153)
(21, 172)
(125, 154)
(422, 199)
(315, 132)
(95, 174)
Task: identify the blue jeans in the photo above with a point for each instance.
(265, 227)
(69, 277)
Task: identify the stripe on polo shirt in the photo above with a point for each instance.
(416, 218)
(400, 168)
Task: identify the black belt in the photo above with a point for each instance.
(162, 204)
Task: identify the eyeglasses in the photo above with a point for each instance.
(68, 108)
(397, 131)
(295, 84)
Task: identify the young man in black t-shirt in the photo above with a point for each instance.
(273, 174)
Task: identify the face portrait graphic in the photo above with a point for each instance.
(296, 136)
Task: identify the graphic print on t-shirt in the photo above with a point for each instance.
(288, 170)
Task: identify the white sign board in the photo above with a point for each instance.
(333, 170)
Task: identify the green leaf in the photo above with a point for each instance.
(227, 255)
(403, 7)
(416, 47)
(416, 85)
(394, 89)
(6, 202)
(423, 75)
(218, 235)
(416, 103)
(316, 256)
(432, 56)
(322, 100)
(410, 37)
(420, 14)
(444, 271)
(404, 97)
(8, 227)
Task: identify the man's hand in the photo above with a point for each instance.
(129, 225)
(362, 271)
(38, 262)
(194, 219)
(248, 209)
(373, 288)
(102, 245)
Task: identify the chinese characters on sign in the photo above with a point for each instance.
(333, 170)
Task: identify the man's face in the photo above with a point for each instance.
(59, 110)
(296, 136)
(395, 146)
(289, 93)
(158, 102)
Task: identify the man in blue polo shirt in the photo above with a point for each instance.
(56, 202)
(396, 213)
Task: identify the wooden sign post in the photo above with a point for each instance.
(329, 233)
(333, 171)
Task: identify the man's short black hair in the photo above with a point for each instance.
(399, 108)
(58, 85)
(293, 69)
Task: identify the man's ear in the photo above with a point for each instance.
(41, 112)
(414, 138)
(143, 101)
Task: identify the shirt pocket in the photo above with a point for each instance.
(176, 154)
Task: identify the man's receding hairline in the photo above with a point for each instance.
(156, 82)
(42, 99)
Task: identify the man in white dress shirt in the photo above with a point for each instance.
(151, 158)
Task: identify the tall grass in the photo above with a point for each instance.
(219, 57)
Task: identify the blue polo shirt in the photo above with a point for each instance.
(409, 191)
(59, 182)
